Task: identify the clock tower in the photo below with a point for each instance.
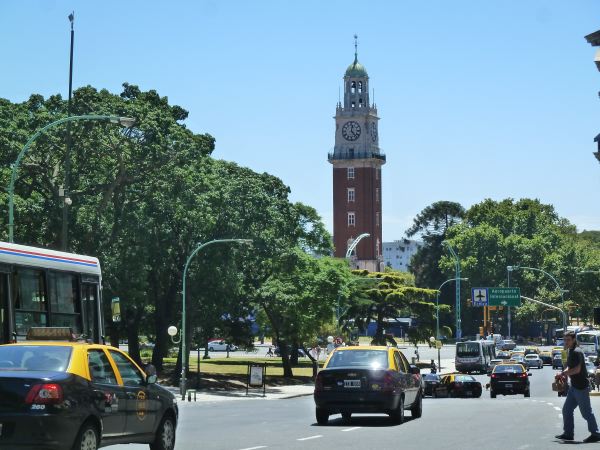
(357, 162)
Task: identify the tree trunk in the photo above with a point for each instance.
(206, 355)
(114, 335)
(133, 318)
(294, 355)
(161, 323)
(378, 338)
(285, 360)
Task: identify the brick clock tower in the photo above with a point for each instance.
(357, 162)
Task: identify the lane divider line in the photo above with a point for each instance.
(352, 429)
(254, 448)
(310, 437)
(557, 408)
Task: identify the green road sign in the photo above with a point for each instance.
(504, 296)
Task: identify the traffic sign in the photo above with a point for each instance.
(479, 296)
(504, 296)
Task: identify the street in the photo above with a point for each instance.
(506, 422)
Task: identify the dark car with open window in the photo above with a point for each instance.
(458, 385)
(75, 395)
(430, 383)
(367, 380)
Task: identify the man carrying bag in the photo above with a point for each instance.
(578, 393)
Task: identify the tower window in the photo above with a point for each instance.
(377, 173)
(354, 104)
(351, 173)
(377, 195)
(360, 103)
(351, 219)
(360, 87)
(351, 153)
(376, 219)
(377, 250)
(351, 194)
(353, 87)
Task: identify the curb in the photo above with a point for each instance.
(595, 394)
(296, 396)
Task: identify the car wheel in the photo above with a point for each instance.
(346, 416)
(417, 408)
(165, 435)
(434, 394)
(527, 393)
(492, 394)
(211, 349)
(397, 416)
(87, 438)
(322, 416)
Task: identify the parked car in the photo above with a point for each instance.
(519, 359)
(367, 380)
(458, 385)
(430, 382)
(533, 360)
(220, 345)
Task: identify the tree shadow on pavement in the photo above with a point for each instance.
(371, 421)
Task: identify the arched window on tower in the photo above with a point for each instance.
(353, 104)
(353, 87)
(360, 87)
(360, 103)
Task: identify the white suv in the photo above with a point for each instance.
(533, 360)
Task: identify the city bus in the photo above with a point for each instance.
(588, 341)
(559, 334)
(474, 356)
(46, 288)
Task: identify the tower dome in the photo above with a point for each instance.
(356, 69)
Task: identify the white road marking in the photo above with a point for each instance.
(310, 437)
(351, 429)
(254, 448)
(548, 403)
(557, 408)
(560, 416)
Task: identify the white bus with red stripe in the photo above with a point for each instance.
(47, 288)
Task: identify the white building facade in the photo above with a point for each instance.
(397, 254)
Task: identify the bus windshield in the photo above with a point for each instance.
(586, 338)
(467, 349)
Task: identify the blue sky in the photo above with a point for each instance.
(477, 99)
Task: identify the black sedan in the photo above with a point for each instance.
(367, 380)
(557, 362)
(458, 385)
(430, 383)
(509, 379)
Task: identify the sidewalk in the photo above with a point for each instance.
(272, 393)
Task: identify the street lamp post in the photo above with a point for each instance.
(351, 248)
(124, 121)
(457, 277)
(437, 311)
(184, 355)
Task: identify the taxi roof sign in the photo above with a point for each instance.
(50, 334)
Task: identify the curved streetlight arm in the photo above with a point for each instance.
(126, 121)
(183, 312)
(547, 305)
(513, 268)
(437, 305)
(355, 243)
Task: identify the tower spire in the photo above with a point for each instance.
(355, 48)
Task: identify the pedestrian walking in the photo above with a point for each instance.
(578, 393)
(270, 351)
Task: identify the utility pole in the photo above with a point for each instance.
(67, 162)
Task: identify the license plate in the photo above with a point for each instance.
(508, 385)
(352, 384)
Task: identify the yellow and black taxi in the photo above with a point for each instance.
(367, 380)
(458, 385)
(509, 379)
(64, 394)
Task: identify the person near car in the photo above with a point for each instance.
(578, 394)
(270, 351)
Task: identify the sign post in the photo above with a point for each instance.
(257, 377)
(115, 306)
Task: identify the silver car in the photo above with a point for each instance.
(533, 360)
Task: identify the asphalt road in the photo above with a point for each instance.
(511, 422)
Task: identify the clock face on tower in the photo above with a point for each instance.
(374, 132)
(351, 131)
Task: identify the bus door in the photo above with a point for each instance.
(5, 314)
(91, 307)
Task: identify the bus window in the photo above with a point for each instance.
(89, 301)
(64, 304)
(30, 302)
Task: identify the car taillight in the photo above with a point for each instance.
(319, 383)
(388, 381)
(46, 394)
(522, 375)
(494, 375)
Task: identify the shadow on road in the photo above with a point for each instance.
(377, 421)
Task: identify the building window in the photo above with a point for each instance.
(377, 173)
(351, 173)
(351, 194)
(353, 104)
(360, 87)
(377, 251)
(353, 87)
(360, 103)
(351, 219)
(376, 219)
(351, 153)
(377, 194)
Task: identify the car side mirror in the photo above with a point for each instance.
(414, 370)
(150, 374)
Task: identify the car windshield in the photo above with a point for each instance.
(463, 378)
(467, 349)
(586, 338)
(531, 357)
(376, 359)
(34, 357)
(508, 368)
(431, 377)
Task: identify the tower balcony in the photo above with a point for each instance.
(349, 155)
